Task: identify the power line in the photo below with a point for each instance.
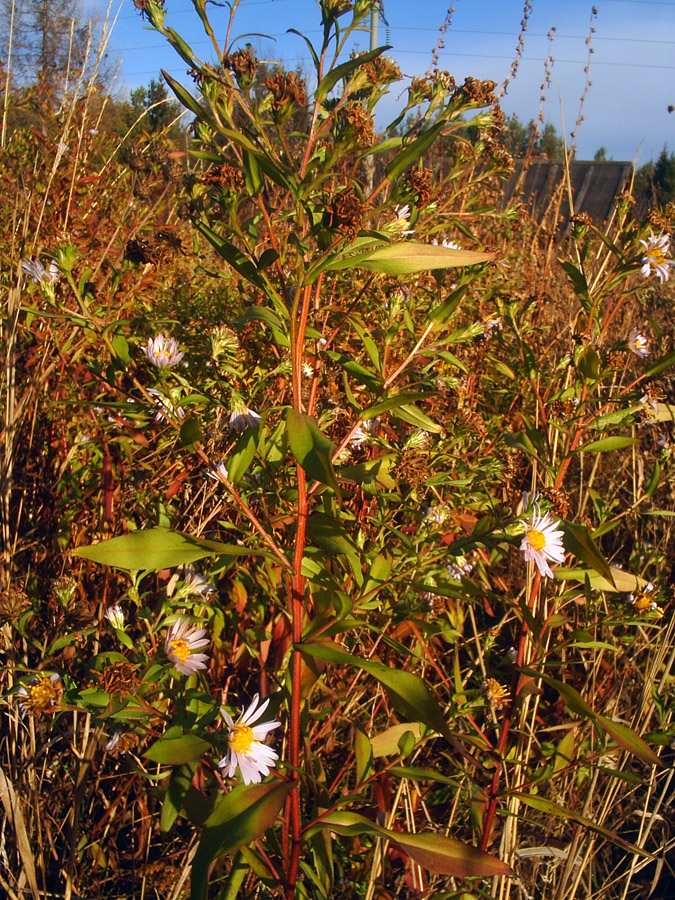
(578, 62)
(282, 34)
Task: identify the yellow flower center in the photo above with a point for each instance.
(241, 739)
(43, 694)
(642, 603)
(656, 256)
(180, 649)
(537, 539)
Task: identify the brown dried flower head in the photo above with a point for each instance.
(345, 212)
(225, 176)
(118, 678)
(357, 124)
(480, 92)
(382, 70)
(244, 66)
(13, 602)
(419, 181)
(286, 87)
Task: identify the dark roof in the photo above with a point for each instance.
(595, 186)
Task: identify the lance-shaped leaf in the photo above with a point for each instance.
(407, 692)
(412, 151)
(231, 254)
(177, 750)
(434, 852)
(158, 548)
(329, 81)
(243, 816)
(408, 257)
(554, 809)
(628, 740)
(312, 449)
(579, 543)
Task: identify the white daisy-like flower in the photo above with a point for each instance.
(399, 225)
(115, 615)
(246, 744)
(163, 352)
(37, 272)
(242, 417)
(638, 343)
(449, 245)
(195, 583)
(168, 409)
(363, 432)
(218, 472)
(543, 541)
(180, 645)
(656, 249)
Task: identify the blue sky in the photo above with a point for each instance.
(632, 66)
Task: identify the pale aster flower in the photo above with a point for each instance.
(167, 407)
(195, 583)
(400, 223)
(543, 542)
(643, 602)
(418, 440)
(363, 432)
(114, 741)
(246, 744)
(163, 352)
(37, 272)
(449, 245)
(41, 693)
(242, 417)
(218, 472)
(181, 642)
(638, 343)
(115, 615)
(655, 257)
(457, 570)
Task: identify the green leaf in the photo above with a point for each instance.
(412, 152)
(242, 816)
(327, 532)
(434, 852)
(414, 416)
(231, 254)
(665, 362)
(392, 402)
(627, 739)
(121, 348)
(441, 313)
(579, 543)
(364, 754)
(553, 809)
(615, 442)
(386, 742)
(186, 98)
(408, 693)
(157, 548)
(175, 751)
(329, 80)
(409, 257)
(191, 434)
(622, 582)
(570, 697)
(311, 448)
(579, 283)
(254, 180)
(243, 454)
(181, 47)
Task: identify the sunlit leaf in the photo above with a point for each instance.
(312, 449)
(243, 815)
